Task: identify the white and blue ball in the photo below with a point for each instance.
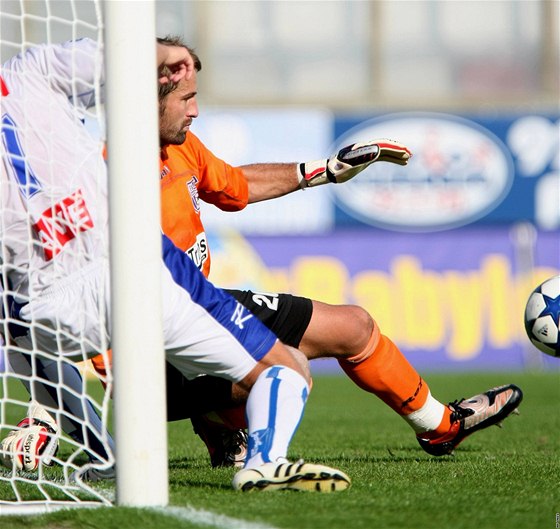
(542, 316)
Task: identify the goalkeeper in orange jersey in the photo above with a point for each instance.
(190, 173)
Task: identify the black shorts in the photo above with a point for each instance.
(285, 315)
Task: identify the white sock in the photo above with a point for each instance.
(274, 410)
(428, 417)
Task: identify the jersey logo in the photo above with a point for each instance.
(61, 223)
(164, 172)
(198, 252)
(3, 86)
(28, 183)
(193, 191)
(240, 315)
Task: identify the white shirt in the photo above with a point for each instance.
(54, 230)
(54, 201)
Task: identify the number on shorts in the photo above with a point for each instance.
(270, 300)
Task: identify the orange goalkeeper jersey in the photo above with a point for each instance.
(190, 173)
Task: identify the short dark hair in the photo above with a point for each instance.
(173, 40)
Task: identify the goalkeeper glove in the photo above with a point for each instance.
(351, 160)
(34, 440)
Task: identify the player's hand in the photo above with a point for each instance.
(350, 161)
(174, 63)
(34, 440)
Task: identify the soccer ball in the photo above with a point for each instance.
(542, 317)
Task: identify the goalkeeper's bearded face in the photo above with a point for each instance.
(177, 110)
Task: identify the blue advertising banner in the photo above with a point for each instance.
(450, 300)
(481, 169)
(466, 170)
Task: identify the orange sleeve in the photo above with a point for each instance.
(190, 173)
(220, 183)
(100, 367)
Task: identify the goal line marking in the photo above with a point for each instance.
(220, 521)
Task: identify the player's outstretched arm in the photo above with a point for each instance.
(272, 180)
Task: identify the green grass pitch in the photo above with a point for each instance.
(498, 478)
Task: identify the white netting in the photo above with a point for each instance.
(53, 237)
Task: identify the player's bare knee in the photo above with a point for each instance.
(279, 355)
(283, 355)
(302, 361)
(359, 326)
(364, 320)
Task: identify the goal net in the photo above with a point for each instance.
(56, 411)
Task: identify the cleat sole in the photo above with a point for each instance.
(304, 479)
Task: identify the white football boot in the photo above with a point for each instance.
(294, 476)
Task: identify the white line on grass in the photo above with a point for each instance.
(210, 518)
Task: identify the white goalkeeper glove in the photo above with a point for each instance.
(34, 440)
(351, 160)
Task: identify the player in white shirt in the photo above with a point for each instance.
(53, 229)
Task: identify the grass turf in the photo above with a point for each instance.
(504, 478)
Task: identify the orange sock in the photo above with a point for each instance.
(383, 370)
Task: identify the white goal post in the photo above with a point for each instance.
(137, 335)
(135, 409)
